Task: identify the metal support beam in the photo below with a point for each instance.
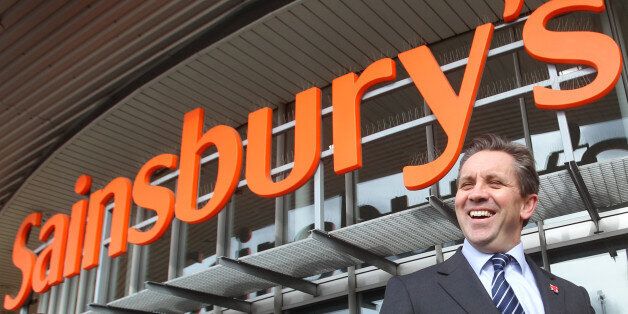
(543, 245)
(270, 275)
(198, 296)
(576, 177)
(444, 209)
(355, 251)
(98, 308)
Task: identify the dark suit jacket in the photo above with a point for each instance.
(453, 287)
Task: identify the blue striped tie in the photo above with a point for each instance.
(503, 295)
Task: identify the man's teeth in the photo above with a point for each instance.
(480, 213)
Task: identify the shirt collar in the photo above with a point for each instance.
(478, 260)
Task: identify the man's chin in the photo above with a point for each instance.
(482, 244)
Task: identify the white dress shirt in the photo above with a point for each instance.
(518, 275)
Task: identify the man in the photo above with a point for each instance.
(497, 194)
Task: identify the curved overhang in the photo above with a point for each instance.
(230, 58)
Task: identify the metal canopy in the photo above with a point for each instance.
(205, 298)
(444, 209)
(416, 228)
(272, 276)
(355, 251)
(98, 308)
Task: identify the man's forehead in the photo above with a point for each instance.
(487, 163)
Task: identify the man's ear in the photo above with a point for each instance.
(529, 206)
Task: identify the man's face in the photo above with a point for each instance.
(489, 206)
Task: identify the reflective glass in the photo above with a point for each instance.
(605, 277)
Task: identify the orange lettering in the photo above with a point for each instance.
(24, 259)
(307, 146)
(567, 48)
(119, 189)
(347, 92)
(229, 146)
(452, 111)
(76, 234)
(512, 9)
(157, 198)
(52, 255)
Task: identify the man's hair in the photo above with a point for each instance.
(524, 161)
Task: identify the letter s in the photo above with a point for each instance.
(569, 48)
(24, 259)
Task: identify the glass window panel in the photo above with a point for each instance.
(604, 276)
(253, 225)
(371, 301)
(597, 130)
(158, 254)
(335, 306)
(547, 143)
(380, 188)
(200, 242)
(335, 197)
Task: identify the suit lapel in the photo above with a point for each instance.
(552, 302)
(462, 284)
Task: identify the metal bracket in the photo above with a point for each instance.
(99, 308)
(355, 251)
(442, 207)
(199, 296)
(576, 177)
(270, 275)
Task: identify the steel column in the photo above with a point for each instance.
(280, 203)
(319, 197)
(133, 269)
(543, 244)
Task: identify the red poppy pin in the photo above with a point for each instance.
(554, 288)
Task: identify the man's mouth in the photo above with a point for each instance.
(481, 214)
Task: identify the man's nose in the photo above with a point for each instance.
(479, 193)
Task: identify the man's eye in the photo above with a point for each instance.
(496, 183)
(465, 185)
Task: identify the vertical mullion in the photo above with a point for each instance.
(113, 279)
(222, 235)
(72, 300)
(522, 104)
(52, 300)
(91, 287)
(135, 260)
(350, 215)
(173, 257)
(81, 293)
(431, 155)
(63, 298)
(561, 117)
(543, 242)
(280, 206)
(319, 197)
(42, 305)
(104, 263)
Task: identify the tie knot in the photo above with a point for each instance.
(500, 260)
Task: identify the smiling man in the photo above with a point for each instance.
(497, 194)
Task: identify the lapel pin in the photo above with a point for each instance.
(554, 288)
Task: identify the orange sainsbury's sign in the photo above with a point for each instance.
(77, 238)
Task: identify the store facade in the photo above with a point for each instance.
(345, 213)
